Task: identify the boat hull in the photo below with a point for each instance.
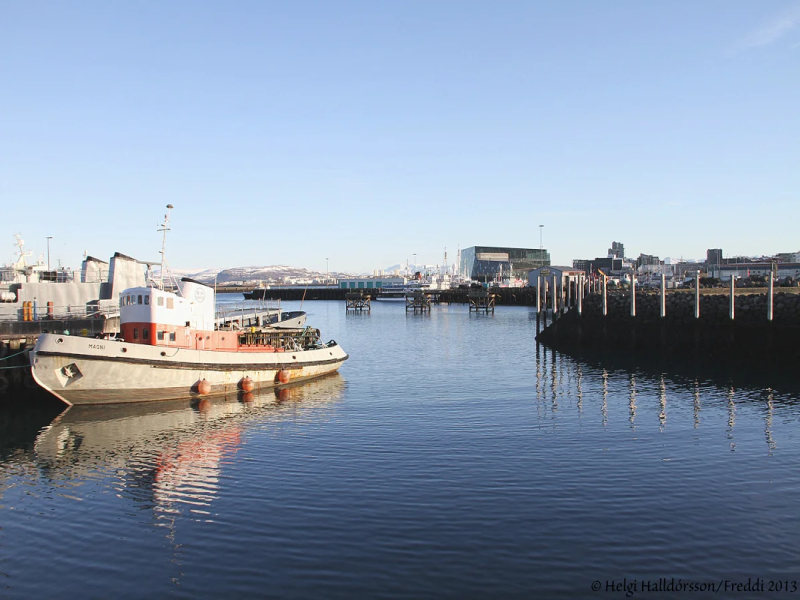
(88, 371)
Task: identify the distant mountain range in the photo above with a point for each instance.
(274, 273)
(250, 274)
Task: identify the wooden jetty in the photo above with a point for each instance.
(481, 301)
(418, 301)
(357, 301)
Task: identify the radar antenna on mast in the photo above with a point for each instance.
(164, 228)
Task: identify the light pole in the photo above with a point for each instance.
(49, 237)
(326, 271)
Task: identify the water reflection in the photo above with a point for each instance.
(632, 403)
(164, 456)
(661, 397)
(696, 405)
(731, 418)
(768, 421)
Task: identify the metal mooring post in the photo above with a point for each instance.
(633, 295)
(770, 298)
(663, 296)
(605, 297)
(733, 297)
(579, 287)
(538, 294)
(697, 294)
(555, 294)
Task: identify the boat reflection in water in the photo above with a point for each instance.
(169, 455)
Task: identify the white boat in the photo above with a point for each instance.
(172, 348)
(397, 293)
(392, 293)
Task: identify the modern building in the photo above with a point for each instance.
(647, 259)
(487, 263)
(369, 283)
(617, 250)
(714, 256)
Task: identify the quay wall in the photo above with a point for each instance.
(748, 341)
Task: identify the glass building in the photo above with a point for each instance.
(487, 263)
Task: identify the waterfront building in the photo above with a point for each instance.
(488, 263)
(562, 274)
(607, 265)
(369, 283)
(788, 257)
(748, 269)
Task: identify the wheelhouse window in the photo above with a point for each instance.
(160, 336)
(135, 333)
(147, 299)
(170, 302)
(171, 336)
(145, 333)
(160, 301)
(139, 301)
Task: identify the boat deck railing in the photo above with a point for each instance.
(38, 312)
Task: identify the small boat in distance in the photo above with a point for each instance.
(397, 292)
(171, 347)
(394, 292)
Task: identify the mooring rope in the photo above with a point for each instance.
(11, 355)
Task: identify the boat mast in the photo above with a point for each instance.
(165, 229)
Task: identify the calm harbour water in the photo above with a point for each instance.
(451, 456)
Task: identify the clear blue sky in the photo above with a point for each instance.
(365, 132)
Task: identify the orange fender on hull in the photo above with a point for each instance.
(203, 387)
(247, 384)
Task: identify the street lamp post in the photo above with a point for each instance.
(49, 237)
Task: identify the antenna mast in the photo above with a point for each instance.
(165, 229)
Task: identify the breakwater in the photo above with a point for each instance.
(748, 340)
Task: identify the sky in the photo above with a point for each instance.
(353, 135)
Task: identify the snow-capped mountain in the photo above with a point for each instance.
(275, 273)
